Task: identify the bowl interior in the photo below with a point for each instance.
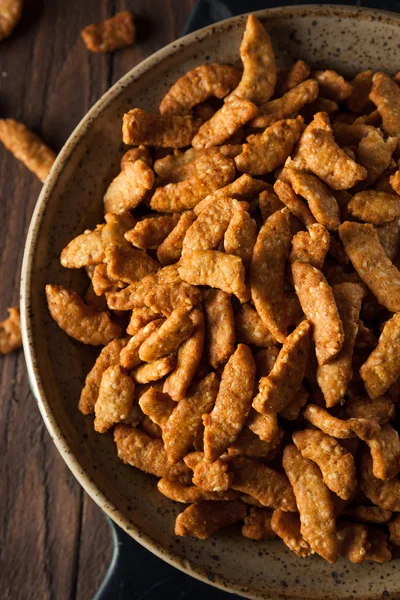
(348, 40)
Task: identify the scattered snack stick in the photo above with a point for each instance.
(385, 94)
(336, 464)
(319, 417)
(10, 332)
(319, 305)
(115, 399)
(27, 147)
(382, 368)
(203, 519)
(314, 501)
(368, 257)
(117, 32)
(259, 69)
(286, 525)
(268, 271)
(198, 85)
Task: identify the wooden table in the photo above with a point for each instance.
(54, 541)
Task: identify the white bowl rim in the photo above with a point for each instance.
(54, 429)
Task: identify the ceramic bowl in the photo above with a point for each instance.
(339, 37)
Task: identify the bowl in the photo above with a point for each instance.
(343, 38)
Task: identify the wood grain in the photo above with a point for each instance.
(54, 541)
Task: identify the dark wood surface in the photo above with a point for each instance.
(54, 541)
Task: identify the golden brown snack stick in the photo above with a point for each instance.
(139, 318)
(182, 427)
(129, 187)
(129, 357)
(385, 494)
(334, 376)
(319, 306)
(216, 269)
(198, 85)
(139, 450)
(336, 464)
(394, 530)
(157, 405)
(169, 251)
(368, 257)
(220, 327)
(128, 264)
(250, 329)
(289, 77)
(314, 502)
(240, 236)
(234, 113)
(278, 389)
(249, 444)
(232, 406)
(338, 428)
(293, 410)
(165, 298)
(11, 11)
(90, 247)
(207, 232)
(257, 525)
(151, 232)
(149, 129)
(26, 146)
(115, 399)
(375, 207)
(269, 487)
(359, 100)
(239, 189)
(165, 340)
(286, 525)
(154, 370)
(385, 452)
(265, 426)
(287, 105)
(382, 368)
(385, 94)
(79, 321)
(187, 359)
(189, 494)
(321, 201)
(10, 331)
(353, 541)
(214, 172)
(212, 477)
(117, 32)
(203, 519)
(368, 514)
(381, 409)
(375, 154)
(259, 69)
(332, 85)
(268, 271)
(330, 163)
(271, 148)
(296, 206)
(310, 246)
(108, 356)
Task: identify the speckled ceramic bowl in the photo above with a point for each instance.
(346, 39)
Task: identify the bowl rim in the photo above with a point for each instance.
(53, 427)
